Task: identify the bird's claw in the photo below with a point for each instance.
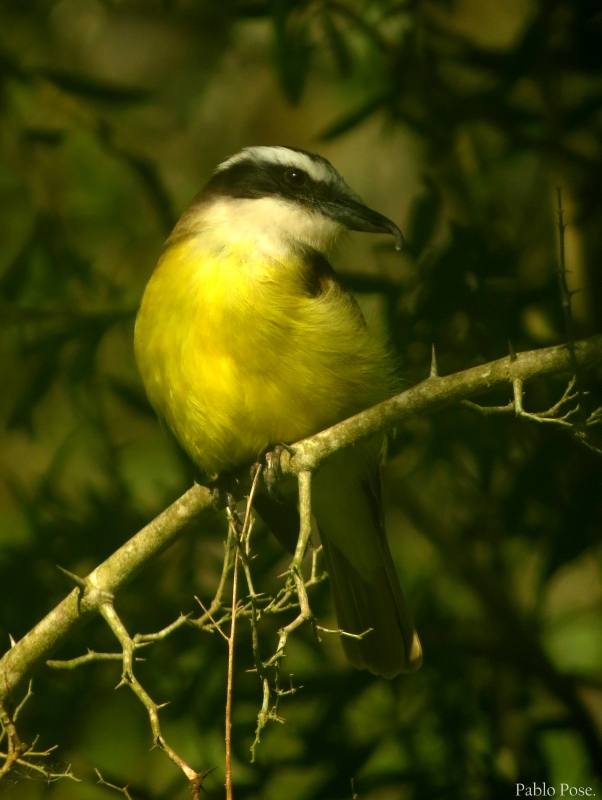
(230, 503)
(217, 498)
(273, 472)
(220, 498)
(223, 491)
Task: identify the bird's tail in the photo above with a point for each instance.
(367, 595)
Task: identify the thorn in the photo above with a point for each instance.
(434, 370)
(12, 641)
(197, 782)
(511, 350)
(207, 772)
(162, 705)
(79, 582)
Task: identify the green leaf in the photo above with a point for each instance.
(424, 217)
(346, 123)
(292, 49)
(52, 137)
(91, 89)
(337, 44)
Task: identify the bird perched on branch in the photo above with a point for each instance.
(245, 339)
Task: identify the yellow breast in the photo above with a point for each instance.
(237, 355)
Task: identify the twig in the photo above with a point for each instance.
(215, 626)
(47, 774)
(295, 573)
(296, 586)
(217, 602)
(548, 417)
(567, 396)
(129, 679)
(19, 708)
(17, 752)
(515, 406)
(90, 656)
(341, 632)
(15, 747)
(144, 638)
(230, 681)
(241, 549)
(140, 640)
(487, 410)
(123, 789)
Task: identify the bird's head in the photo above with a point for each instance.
(281, 195)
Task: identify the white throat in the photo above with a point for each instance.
(271, 224)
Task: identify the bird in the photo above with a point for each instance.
(246, 339)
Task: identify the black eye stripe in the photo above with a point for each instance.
(256, 179)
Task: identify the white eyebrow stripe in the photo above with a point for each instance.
(316, 169)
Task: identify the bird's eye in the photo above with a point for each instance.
(295, 177)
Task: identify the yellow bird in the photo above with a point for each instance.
(246, 339)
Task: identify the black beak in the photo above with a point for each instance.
(358, 217)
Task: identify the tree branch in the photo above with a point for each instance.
(432, 394)
(74, 611)
(435, 393)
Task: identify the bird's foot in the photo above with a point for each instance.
(224, 490)
(273, 472)
(221, 499)
(217, 498)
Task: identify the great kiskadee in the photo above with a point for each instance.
(245, 339)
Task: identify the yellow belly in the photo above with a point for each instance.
(236, 355)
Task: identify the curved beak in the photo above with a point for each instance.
(358, 217)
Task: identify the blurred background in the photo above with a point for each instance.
(456, 119)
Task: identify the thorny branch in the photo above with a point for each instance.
(574, 419)
(245, 533)
(129, 645)
(123, 789)
(295, 584)
(128, 678)
(557, 415)
(435, 393)
(292, 596)
(237, 551)
(94, 594)
(19, 753)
